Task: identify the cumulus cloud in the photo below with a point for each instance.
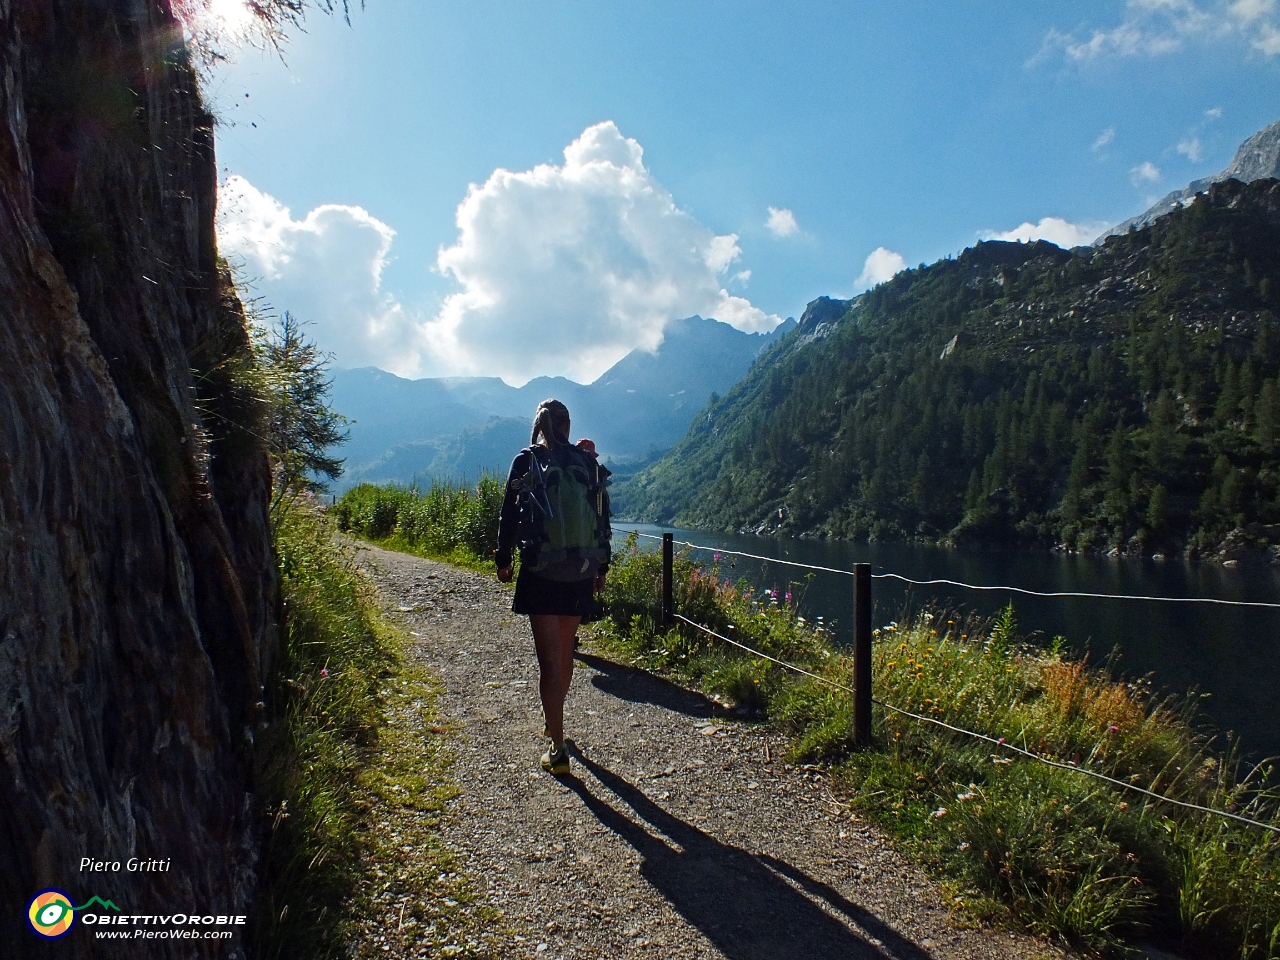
(565, 269)
(562, 270)
(782, 223)
(1056, 230)
(326, 269)
(881, 265)
(1104, 138)
(1143, 173)
(1156, 27)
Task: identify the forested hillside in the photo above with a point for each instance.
(1120, 397)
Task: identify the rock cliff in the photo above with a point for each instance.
(137, 591)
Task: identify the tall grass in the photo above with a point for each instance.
(325, 705)
(1057, 853)
(448, 521)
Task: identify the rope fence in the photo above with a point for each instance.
(861, 690)
(970, 586)
(999, 742)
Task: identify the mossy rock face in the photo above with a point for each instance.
(139, 582)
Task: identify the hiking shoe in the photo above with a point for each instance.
(556, 760)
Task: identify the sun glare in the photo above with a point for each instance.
(228, 18)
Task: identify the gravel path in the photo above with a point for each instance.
(680, 834)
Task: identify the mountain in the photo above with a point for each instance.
(1123, 397)
(1258, 158)
(488, 447)
(457, 427)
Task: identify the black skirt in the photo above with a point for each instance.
(538, 595)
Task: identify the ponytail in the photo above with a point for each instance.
(550, 412)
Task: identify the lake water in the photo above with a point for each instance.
(1230, 654)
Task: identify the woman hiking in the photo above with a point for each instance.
(556, 510)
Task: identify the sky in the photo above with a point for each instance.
(537, 187)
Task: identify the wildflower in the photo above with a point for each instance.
(1113, 729)
(788, 597)
(1123, 806)
(324, 671)
(715, 558)
(964, 846)
(963, 797)
(891, 664)
(939, 813)
(902, 646)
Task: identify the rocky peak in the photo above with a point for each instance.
(1258, 158)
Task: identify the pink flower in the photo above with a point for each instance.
(1113, 729)
(788, 596)
(715, 558)
(324, 671)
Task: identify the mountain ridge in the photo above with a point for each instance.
(1017, 393)
(1257, 158)
(407, 429)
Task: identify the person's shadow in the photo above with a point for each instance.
(639, 686)
(749, 911)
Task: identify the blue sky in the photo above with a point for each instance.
(911, 129)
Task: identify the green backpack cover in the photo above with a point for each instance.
(565, 509)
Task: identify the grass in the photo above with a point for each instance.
(452, 522)
(352, 772)
(1050, 851)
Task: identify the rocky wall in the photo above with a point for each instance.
(137, 591)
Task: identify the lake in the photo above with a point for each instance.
(1229, 655)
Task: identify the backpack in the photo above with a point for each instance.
(565, 522)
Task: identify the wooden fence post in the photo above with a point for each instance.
(862, 654)
(668, 554)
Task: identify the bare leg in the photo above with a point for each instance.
(553, 640)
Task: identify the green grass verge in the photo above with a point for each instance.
(352, 772)
(451, 522)
(1050, 851)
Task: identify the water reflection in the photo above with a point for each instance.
(1228, 654)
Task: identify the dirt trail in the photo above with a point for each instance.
(679, 835)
